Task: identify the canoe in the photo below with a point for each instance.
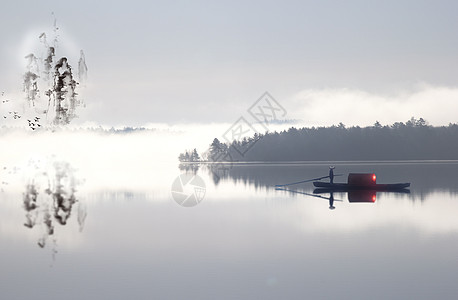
(347, 186)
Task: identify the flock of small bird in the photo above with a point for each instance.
(33, 124)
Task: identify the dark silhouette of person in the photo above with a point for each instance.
(331, 174)
(331, 201)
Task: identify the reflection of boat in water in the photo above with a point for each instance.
(330, 198)
(354, 196)
(349, 190)
(358, 181)
(362, 196)
(336, 187)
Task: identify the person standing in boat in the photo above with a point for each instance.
(331, 174)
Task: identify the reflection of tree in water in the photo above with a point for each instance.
(30, 204)
(189, 167)
(218, 171)
(50, 197)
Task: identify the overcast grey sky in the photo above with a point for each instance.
(208, 61)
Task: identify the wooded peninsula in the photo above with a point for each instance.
(412, 140)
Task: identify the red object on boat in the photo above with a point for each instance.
(361, 179)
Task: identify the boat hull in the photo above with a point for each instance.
(346, 186)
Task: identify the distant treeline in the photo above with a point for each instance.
(413, 140)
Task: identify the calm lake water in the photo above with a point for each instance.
(86, 236)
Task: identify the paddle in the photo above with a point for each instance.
(319, 178)
(312, 195)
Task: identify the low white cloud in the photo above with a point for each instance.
(324, 107)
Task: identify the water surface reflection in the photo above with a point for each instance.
(245, 240)
(426, 177)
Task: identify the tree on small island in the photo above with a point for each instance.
(189, 156)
